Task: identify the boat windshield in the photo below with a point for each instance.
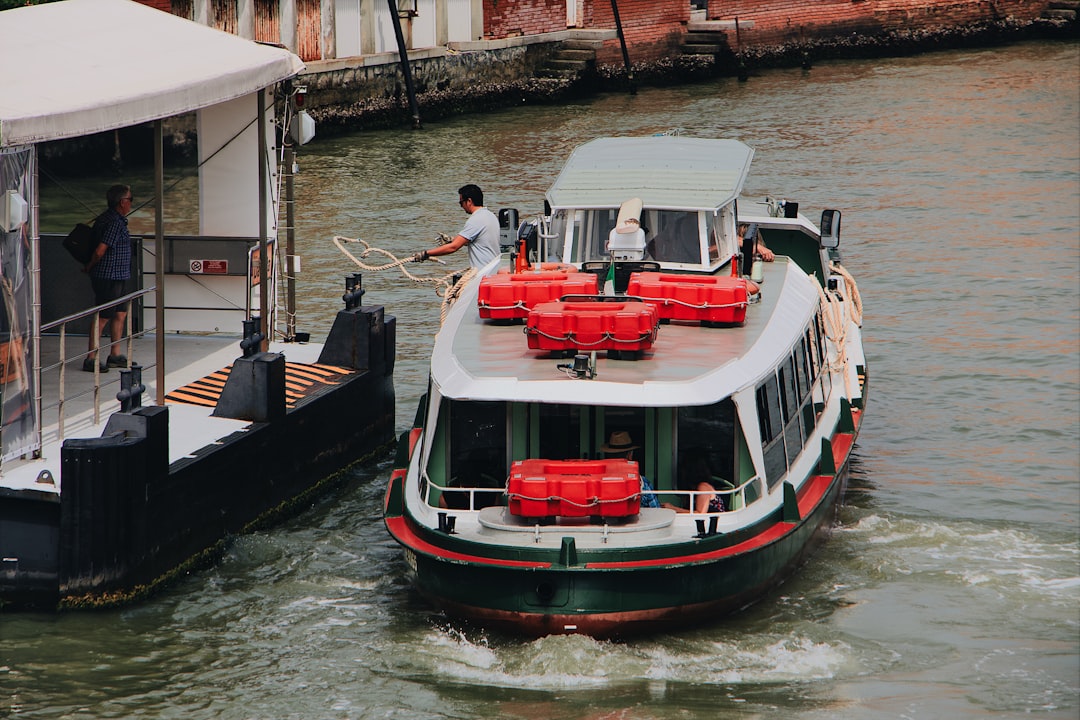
(671, 236)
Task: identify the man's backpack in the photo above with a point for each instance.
(81, 243)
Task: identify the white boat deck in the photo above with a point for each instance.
(191, 427)
(687, 365)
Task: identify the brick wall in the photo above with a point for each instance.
(653, 28)
(777, 21)
(511, 18)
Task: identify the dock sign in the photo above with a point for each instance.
(208, 267)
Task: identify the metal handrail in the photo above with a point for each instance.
(727, 493)
(62, 323)
(97, 308)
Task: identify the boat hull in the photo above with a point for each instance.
(623, 598)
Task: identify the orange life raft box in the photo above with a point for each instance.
(627, 325)
(700, 298)
(574, 488)
(509, 296)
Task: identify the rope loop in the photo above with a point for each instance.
(447, 286)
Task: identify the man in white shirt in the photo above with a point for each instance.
(480, 234)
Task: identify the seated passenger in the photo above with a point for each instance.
(699, 479)
(621, 444)
(767, 255)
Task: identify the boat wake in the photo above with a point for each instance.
(579, 662)
(1006, 560)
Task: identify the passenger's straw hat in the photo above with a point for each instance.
(619, 442)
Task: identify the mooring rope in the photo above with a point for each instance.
(447, 286)
(837, 307)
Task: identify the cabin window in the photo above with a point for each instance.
(477, 448)
(717, 247)
(789, 396)
(802, 374)
(822, 358)
(596, 227)
(810, 355)
(672, 236)
(771, 424)
(707, 433)
(560, 432)
(557, 228)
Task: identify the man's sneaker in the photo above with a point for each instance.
(117, 361)
(88, 366)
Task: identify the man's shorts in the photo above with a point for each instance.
(105, 291)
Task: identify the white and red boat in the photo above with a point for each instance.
(629, 311)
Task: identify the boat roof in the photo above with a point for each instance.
(668, 172)
(84, 66)
(688, 365)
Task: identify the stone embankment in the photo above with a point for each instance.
(544, 72)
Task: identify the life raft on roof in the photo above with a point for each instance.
(695, 298)
(540, 488)
(592, 324)
(510, 296)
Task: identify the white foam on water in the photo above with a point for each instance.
(578, 662)
(1007, 559)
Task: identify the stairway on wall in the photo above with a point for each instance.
(572, 60)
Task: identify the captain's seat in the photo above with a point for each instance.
(626, 241)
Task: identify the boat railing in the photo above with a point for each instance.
(430, 486)
(735, 498)
(60, 326)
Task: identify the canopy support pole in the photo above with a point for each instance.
(159, 260)
(264, 301)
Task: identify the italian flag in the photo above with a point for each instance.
(609, 281)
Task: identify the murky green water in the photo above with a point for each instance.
(951, 587)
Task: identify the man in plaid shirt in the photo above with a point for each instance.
(109, 269)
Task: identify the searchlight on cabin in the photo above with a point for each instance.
(302, 127)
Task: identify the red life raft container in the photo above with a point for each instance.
(574, 488)
(700, 298)
(626, 325)
(507, 296)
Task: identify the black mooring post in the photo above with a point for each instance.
(404, 55)
(622, 42)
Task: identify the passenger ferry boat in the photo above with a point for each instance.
(628, 321)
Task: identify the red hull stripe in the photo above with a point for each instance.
(402, 531)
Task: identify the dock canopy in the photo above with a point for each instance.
(116, 63)
(667, 172)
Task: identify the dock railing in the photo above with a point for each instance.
(61, 365)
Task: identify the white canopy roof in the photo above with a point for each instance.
(665, 171)
(84, 66)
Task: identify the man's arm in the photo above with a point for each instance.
(99, 252)
(453, 246)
